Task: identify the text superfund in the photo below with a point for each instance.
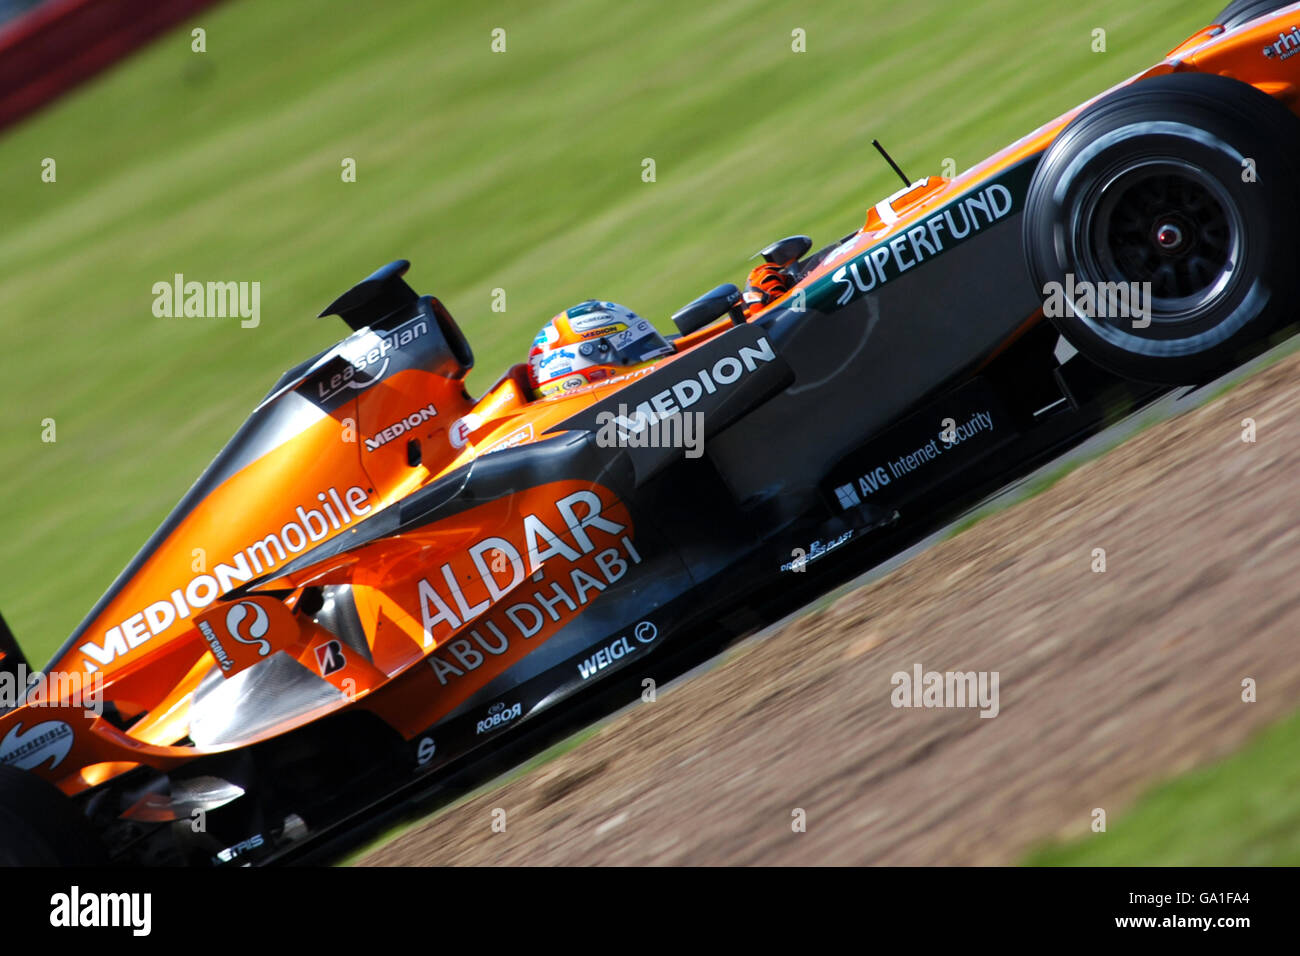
(484, 597)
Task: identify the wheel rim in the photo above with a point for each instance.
(1168, 223)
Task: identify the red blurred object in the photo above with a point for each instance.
(63, 43)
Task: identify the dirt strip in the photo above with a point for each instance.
(1107, 681)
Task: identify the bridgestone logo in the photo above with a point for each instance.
(399, 428)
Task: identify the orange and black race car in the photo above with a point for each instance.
(382, 586)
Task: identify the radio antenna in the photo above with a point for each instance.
(892, 165)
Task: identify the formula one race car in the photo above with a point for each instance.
(382, 583)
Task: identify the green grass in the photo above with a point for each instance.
(519, 171)
(1243, 811)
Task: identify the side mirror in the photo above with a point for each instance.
(708, 308)
(788, 250)
(375, 298)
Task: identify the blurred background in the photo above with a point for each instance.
(209, 139)
(12, 9)
(519, 170)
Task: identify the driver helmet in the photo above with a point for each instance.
(589, 343)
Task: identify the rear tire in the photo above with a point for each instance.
(1184, 187)
(1243, 11)
(41, 826)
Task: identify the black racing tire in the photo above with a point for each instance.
(41, 826)
(1243, 11)
(1183, 187)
